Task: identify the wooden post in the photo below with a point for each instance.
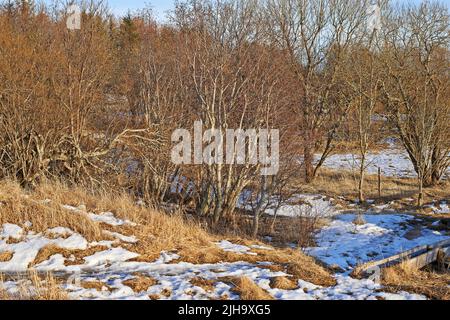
(379, 182)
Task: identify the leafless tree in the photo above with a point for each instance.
(315, 35)
(416, 86)
(54, 116)
(234, 88)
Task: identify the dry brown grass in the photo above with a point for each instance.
(18, 207)
(434, 285)
(283, 283)
(345, 183)
(95, 284)
(166, 293)
(294, 262)
(140, 283)
(207, 285)
(78, 255)
(359, 220)
(35, 287)
(247, 289)
(156, 231)
(45, 253)
(6, 256)
(160, 232)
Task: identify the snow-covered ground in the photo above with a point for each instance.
(311, 205)
(439, 208)
(393, 162)
(347, 245)
(114, 266)
(347, 288)
(308, 205)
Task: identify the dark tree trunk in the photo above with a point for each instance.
(308, 156)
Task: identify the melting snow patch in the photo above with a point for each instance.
(442, 208)
(74, 242)
(11, 231)
(347, 288)
(26, 251)
(298, 205)
(236, 248)
(60, 231)
(112, 268)
(113, 255)
(167, 257)
(393, 163)
(344, 244)
(105, 217)
(54, 263)
(310, 205)
(121, 237)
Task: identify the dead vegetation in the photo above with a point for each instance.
(43, 208)
(430, 283)
(344, 184)
(97, 117)
(140, 283)
(283, 283)
(166, 293)
(95, 284)
(6, 256)
(18, 207)
(156, 232)
(205, 284)
(359, 220)
(73, 257)
(291, 261)
(34, 287)
(247, 289)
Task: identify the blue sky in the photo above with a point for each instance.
(161, 6)
(122, 6)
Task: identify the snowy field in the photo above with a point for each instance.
(392, 161)
(347, 245)
(113, 268)
(441, 207)
(312, 205)
(307, 205)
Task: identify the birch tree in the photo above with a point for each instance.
(233, 82)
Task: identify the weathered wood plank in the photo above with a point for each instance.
(423, 260)
(418, 257)
(446, 251)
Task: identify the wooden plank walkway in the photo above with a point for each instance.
(418, 257)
